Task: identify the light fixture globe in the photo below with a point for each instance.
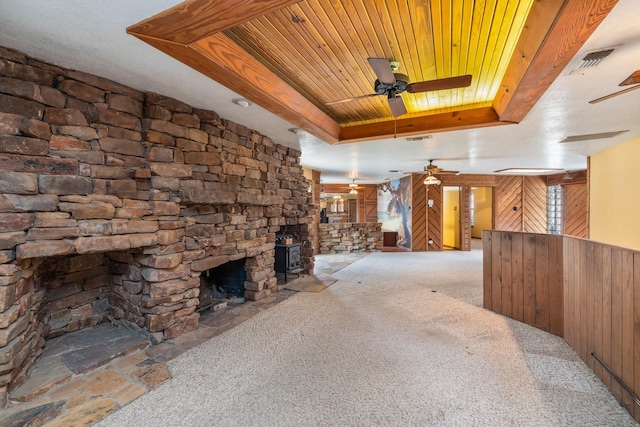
(431, 180)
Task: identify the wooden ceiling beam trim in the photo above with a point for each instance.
(193, 20)
(457, 120)
(235, 69)
(220, 59)
(475, 180)
(575, 177)
(553, 34)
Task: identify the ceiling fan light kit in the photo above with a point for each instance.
(431, 180)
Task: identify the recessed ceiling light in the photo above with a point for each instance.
(534, 171)
(244, 103)
(295, 131)
(394, 171)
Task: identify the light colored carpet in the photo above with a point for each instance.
(309, 283)
(388, 344)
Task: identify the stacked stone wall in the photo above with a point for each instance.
(347, 237)
(145, 190)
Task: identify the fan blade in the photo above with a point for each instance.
(383, 70)
(611, 95)
(353, 99)
(440, 84)
(397, 106)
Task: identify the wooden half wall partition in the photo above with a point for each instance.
(584, 291)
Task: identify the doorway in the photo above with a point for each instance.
(481, 215)
(451, 234)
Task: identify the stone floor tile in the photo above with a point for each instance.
(34, 416)
(85, 415)
(103, 382)
(46, 374)
(96, 355)
(70, 392)
(130, 362)
(152, 376)
(128, 393)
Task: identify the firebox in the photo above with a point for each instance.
(225, 282)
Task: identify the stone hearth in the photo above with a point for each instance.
(113, 202)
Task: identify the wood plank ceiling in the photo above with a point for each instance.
(292, 57)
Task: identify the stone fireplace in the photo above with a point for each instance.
(114, 203)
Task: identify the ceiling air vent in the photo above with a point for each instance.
(594, 58)
(419, 138)
(589, 136)
(591, 60)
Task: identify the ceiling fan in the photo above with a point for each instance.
(433, 169)
(353, 187)
(392, 84)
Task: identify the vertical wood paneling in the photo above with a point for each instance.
(534, 204)
(542, 282)
(517, 277)
(505, 264)
(582, 301)
(569, 292)
(529, 264)
(419, 214)
(496, 273)
(627, 327)
(487, 236)
(598, 307)
(589, 317)
(606, 314)
(616, 320)
(556, 288)
(579, 289)
(574, 211)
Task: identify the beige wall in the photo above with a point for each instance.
(483, 197)
(614, 205)
(451, 217)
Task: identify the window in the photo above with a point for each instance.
(554, 209)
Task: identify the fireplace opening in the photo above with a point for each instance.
(222, 284)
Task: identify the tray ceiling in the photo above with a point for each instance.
(292, 57)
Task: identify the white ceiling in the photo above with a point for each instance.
(91, 37)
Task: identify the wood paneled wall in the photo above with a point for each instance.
(434, 218)
(575, 198)
(602, 302)
(575, 210)
(419, 211)
(507, 203)
(534, 204)
(520, 204)
(523, 277)
(527, 194)
(370, 203)
(584, 291)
